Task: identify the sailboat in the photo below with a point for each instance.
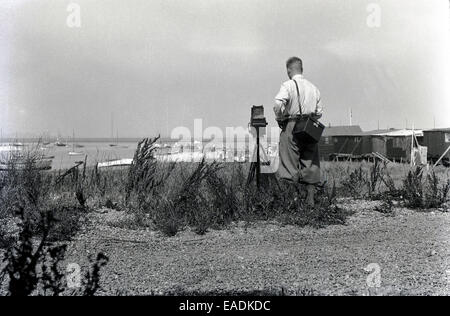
(73, 152)
(116, 142)
(59, 143)
(112, 132)
(45, 140)
(16, 143)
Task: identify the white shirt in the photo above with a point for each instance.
(287, 101)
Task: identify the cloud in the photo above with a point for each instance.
(237, 50)
(347, 49)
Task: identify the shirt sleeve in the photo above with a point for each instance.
(281, 99)
(319, 106)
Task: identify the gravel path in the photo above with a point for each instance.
(412, 250)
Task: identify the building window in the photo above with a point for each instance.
(357, 139)
(326, 140)
(447, 137)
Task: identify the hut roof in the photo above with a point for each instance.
(367, 133)
(342, 131)
(401, 133)
(439, 130)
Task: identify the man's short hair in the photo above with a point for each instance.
(295, 62)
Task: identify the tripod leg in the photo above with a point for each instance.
(251, 173)
(253, 168)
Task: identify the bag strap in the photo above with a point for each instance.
(298, 97)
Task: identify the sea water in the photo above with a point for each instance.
(101, 151)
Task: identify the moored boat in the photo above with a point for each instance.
(21, 165)
(115, 163)
(74, 153)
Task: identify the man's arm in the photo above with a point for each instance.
(319, 106)
(281, 99)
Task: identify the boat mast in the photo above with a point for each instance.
(112, 127)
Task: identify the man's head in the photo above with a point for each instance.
(294, 66)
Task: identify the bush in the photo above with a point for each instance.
(413, 191)
(355, 183)
(166, 218)
(424, 192)
(436, 194)
(363, 182)
(375, 178)
(33, 267)
(30, 196)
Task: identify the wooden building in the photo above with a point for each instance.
(437, 141)
(392, 144)
(357, 144)
(327, 144)
(396, 144)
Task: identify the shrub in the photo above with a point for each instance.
(355, 183)
(166, 218)
(68, 219)
(420, 193)
(224, 195)
(143, 173)
(31, 195)
(375, 178)
(436, 194)
(413, 188)
(34, 266)
(91, 281)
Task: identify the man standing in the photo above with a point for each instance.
(298, 98)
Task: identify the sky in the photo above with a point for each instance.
(157, 65)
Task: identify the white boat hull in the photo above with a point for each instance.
(72, 153)
(115, 163)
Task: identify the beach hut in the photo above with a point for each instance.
(392, 144)
(353, 145)
(438, 141)
(395, 144)
(333, 136)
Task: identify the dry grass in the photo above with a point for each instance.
(170, 197)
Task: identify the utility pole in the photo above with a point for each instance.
(112, 126)
(351, 117)
(167, 122)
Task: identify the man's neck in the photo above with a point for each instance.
(297, 74)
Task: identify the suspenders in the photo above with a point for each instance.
(298, 96)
